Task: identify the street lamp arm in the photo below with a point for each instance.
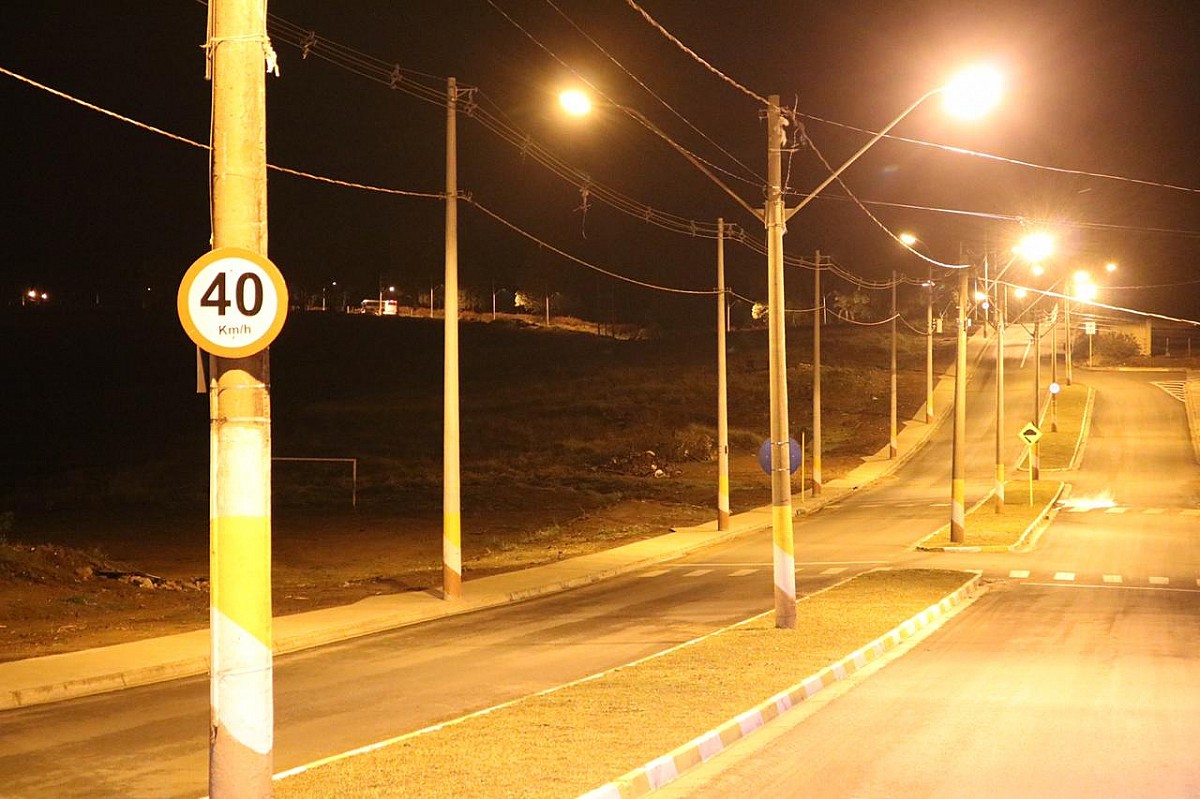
(837, 172)
(692, 159)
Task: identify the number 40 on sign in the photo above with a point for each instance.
(232, 302)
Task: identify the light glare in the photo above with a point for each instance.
(974, 92)
(907, 239)
(1035, 247)
(575, 102)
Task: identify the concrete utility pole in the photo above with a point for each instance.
(722, 389)
(892, 444)
(784, 558)
(1001, 319)
(819, 302)
(451, 484)
(929, 349)
(958, 483)
(1070, 338)
(241, 734)
(1035, 471)
(1054, 369)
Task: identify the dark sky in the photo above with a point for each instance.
(95, 206)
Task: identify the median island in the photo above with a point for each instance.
(567, 741)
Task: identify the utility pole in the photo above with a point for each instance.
(1070, 338)
(1034, 454)
(1054, 369)
(892, 447)
(929, 349)
(958, 484)
(241, 733)
(819, 302)
(451, 486)
(783, 558)
(1001, 319)
(722, 389)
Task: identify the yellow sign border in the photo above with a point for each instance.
(213, 347)
(1035, 434)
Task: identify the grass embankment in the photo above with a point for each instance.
(986, 528)
(570, 740)
(1057, 447)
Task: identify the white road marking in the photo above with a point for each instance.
(1175, 388)
(698, 573)
(1115, 510)
(1191, 512)
(1064, 576)
(1160, 581)
(1112, 578)
(1153, 511)
(1020, 574)
(655, 573)
(1078, 509)
(834, 570)
(742, 572)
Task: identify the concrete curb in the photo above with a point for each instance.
(1191, 404)
(1043, 519)
(662, 770)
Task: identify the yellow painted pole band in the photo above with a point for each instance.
(452, 555)
(243, 558)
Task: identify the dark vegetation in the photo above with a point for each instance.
(105, 413)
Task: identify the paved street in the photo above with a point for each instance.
(1118, 584)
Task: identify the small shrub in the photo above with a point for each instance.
(1113, 348)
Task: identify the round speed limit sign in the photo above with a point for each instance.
(232, 302)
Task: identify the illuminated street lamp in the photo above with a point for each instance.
(969, 95)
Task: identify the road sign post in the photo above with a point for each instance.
(1030, 434)
(232, 302)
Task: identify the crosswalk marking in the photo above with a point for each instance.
(1159, 581)
(1175, 388)
(1112, 578)
(1064, 576)
(1019, 574)
(742, 572)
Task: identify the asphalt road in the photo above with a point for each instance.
(1077, 674)
(151, 742)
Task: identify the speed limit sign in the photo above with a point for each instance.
(232, 302)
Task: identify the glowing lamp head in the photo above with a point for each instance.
(1085, 291)
(907, 239)
(575, 103)
(974, 92)
(1020, 293)
(1035, 247)
(1111, 266)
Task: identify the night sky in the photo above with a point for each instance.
(98, 210)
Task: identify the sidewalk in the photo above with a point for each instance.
(74, 674)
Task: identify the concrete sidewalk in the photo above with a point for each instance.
(93, 671)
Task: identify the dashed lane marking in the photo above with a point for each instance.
(1115, 510)
(1153, 511)
(742, 572)
(1160, 581)
(1066, 577)
(698, 572)
(656, 573)
(834, 570)
(1019, 574)
(1112, 578)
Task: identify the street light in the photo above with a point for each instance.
(910, 240)
(968, 95)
